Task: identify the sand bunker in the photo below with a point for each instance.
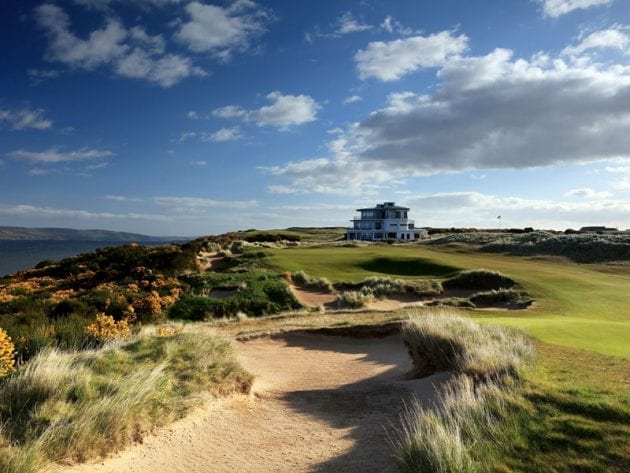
(320, 404)
(313, 297)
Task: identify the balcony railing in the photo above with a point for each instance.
(403, 221)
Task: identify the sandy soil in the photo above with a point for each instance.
(209, 261)
(312, 297)
(319, 404)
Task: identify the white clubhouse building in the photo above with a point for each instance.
(386, 221)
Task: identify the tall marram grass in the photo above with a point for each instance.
(444, 341)
(64, 406)
(463, 432)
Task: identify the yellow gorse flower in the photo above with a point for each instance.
(105, 328)
(7, 354)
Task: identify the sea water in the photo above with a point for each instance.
(17, 255)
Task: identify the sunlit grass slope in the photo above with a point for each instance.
(577, 305)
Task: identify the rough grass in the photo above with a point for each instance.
(302, 279)
(459, 302)
(459, 434)
(75, 406)
(445, 341)
(582, 248)
(382, 287)
(508, 297)
(355, 299)
(463, 432)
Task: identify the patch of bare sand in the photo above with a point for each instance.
(210, 261)
(320, 404)
(396, 301)
(313, 297)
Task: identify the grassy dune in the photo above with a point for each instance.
(579, 306)
(74, 406)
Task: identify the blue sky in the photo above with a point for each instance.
(181, 117)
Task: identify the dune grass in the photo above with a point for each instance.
(64, 406)
(474, 409)
(320, 284)
(444, 341)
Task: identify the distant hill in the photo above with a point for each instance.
(69, 234)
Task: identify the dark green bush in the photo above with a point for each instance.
(508, 297)
(478, 279)
(191, 307)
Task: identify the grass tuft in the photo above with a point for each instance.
(445, 341)
(472, 417)
(304, 280)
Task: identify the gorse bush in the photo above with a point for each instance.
(78, 406)
(7, 354)
(52, 304)
(105, 328)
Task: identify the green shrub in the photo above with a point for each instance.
(255, 295)
(478, 279)
(508, 297)
(191, 307)
(459, 302)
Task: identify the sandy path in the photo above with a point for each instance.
(321, 404)
(209, 261)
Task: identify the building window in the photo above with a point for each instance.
(397, 214)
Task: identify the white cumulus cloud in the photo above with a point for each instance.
(391, 60)
(611, 38)
(129, 53)
(283, 112)
(222, 31)
(556, 8)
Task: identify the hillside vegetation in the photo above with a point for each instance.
(70, 234)
(578, 247)
(75, 406)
